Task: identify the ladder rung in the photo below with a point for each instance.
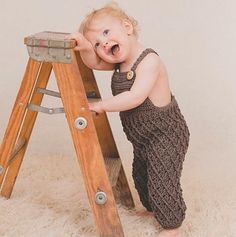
(19, 145)
(113, 166)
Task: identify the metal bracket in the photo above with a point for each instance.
(89, 94)
(48, 92)
(1, 169)
(47, 54)
(19, 145)
(50, 47)
(38, 108)
(45, 110)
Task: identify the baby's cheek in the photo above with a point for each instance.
(99, 54)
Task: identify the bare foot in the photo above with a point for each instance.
(171, 233)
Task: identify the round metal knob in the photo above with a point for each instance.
(100, 198)
(80, 123)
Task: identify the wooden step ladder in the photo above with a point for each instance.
(97, 154)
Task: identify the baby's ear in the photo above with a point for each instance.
(128, 26)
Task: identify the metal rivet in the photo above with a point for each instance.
(50, 111)
(80, 123)
(100, 198)
(82, 109)
(68, 56)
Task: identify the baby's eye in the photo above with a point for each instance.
(96, 45)
(105, 32)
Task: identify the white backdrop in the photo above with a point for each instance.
(196, 40)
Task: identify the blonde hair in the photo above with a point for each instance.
(111, 9)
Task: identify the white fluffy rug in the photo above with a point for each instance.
(49, 200)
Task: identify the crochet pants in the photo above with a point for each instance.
(157, 180)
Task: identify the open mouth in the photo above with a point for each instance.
(114, 49)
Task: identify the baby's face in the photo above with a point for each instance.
(109, 37)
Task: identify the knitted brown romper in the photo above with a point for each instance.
(160, 138)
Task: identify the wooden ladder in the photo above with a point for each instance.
(97, 154)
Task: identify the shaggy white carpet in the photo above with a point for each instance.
(49, 200)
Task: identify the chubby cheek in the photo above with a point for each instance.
(101, 54)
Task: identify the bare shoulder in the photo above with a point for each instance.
(151, 63)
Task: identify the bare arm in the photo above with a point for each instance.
(146, 77)
(87, 53)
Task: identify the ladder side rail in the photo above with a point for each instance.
(26, 131)
(17, 115)
(87, 147)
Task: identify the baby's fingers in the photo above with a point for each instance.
(73, 36)
(81, 42)
(70, 36)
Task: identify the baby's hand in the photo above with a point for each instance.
(96, 107)
(81, 41)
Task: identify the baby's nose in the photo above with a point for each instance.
(105, 44)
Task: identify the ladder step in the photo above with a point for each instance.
(113, 166)
(19, 145)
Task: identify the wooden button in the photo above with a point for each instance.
(130, 75)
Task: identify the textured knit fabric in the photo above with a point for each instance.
(160, 138)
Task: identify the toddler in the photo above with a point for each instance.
(150, 116)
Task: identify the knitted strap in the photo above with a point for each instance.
(142, 56)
